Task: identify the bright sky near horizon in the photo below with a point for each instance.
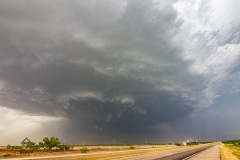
(126, 70)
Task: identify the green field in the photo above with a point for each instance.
(230, 150)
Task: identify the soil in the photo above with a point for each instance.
(7, 153)
(15, 153)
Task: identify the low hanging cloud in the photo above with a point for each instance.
(106, 67)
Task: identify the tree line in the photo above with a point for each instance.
(233, 142)
(46, 143)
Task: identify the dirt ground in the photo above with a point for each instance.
(5, 153)
(13, 153)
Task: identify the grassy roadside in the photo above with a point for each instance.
(230, 152)
(126, 153)
(116, 154)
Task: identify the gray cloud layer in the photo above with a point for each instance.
(107, 67)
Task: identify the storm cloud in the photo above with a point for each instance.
(105, 67)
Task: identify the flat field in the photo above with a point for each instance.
(230, 152)
(14, 153)
(95, 152)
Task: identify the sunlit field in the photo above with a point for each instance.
(95, 152)
(230, 152)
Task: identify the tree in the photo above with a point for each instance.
(41, 145)
(31, 145)
(50, 142)
(9, 146)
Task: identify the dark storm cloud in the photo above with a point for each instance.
(108, 67)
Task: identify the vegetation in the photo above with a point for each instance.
(230, 150)
(47, 143)
(50, 142)
(14, 147)
(64, 147)
(6, 155)
(32, 146)
(132, 147)
(24, 151)
(127, 151)
(177, 144)
(192, 143)
(233, 142)
(84, 150)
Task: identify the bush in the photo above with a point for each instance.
(132, 147)
(64, 147)
(23, 151)
(192, 143)
(9, 146)
(84, 150)
(6, 155)
(14, 147)
(233, 142)
(71, 147)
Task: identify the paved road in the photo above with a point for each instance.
(212, 153)
(170, 155)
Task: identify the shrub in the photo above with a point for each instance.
(71, 147)
(84, 150)
(132, 147)
(6, 155)
(177, 144)
(9, 146)
(64, 147)
(23, 151)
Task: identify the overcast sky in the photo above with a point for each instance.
(98, 71)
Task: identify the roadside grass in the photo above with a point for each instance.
(121, 154)
(230, 152)
(116, 154)
(84, 150)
